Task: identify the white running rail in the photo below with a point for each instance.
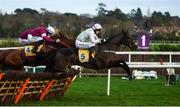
(132, 64)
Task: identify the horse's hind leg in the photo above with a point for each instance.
(3, 68)
(122, 64)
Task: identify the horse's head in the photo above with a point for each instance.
(122, 39)
(64, 40)
(128, 41)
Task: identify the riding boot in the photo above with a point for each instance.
(92, 54)
(92, 49)
(34, 50)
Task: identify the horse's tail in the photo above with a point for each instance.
(2, 60)
(2, 56)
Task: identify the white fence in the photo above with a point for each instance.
(132, 64)
(169, 64)
(33, 68)
(10, 48)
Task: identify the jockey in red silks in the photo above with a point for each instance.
(36, 35)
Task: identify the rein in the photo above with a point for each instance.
(51, 47)
(64, 44)
(112, 42)
(60, 42)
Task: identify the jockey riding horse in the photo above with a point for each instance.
(16, 59)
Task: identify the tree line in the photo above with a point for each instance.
(113, 21)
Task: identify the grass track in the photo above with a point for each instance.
(91, 91)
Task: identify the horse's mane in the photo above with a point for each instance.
(122, 33)
(65, 39)
(63, 35)
(111, 37)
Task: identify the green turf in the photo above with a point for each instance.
(91, 91)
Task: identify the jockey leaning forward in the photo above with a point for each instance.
(89, 37)
(37, 35)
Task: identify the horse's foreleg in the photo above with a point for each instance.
(126, 67)
(122, 64)
(48, 68)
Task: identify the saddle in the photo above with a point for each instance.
(87, 55)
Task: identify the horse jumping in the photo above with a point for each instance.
(66, 57)
(15, 59)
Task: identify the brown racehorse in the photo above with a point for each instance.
(15, 59)
(65, 58)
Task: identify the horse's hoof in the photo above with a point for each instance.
(130, 78)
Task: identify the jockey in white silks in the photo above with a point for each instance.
(88, 38)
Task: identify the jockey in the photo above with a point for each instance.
(89, 38)
(37, 35)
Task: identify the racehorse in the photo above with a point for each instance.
(15, 59)
(65, 58)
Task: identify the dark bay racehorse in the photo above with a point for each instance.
(65, 58)
(15, 59)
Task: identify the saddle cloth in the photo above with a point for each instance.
(28, 50)
(83, 55)
(86, 55)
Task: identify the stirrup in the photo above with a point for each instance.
(91, 49)
(34, 50)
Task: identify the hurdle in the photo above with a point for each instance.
(30, 86)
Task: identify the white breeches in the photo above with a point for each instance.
(30, 39)
(84, 45)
